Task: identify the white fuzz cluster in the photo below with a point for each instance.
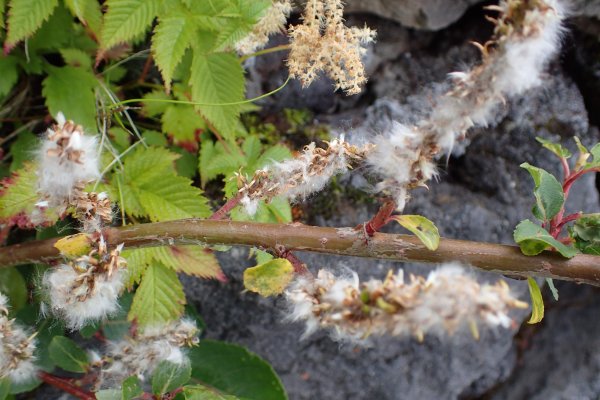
(448, 300)
(300, 177)
(87, 289)
(272, 22)
(526, 36)
(141, 354)
(67, 158)
(17, 347)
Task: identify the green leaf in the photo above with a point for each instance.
(78, 105)
(586, 233)
(555, 148)
(182, 122)
(235, 370)
(269, 279)
(191, 260)
(552, 288)
(159, 298)
(4, 388)
(155, 139)
(595, 152)
(76, 58)
(67, 355)
(423, 228)
(150, 188)
(218, 78)
(198, 392)
(153, 108)
(10, 74)
(108, 394)
(537, 303)
(22, 149)
(126, 19)
(87, 11)
(533, 239)
(173, 35)
(169, 376)
(13, 285)
(548, 193)
(186, 164)
(25, 17)
(131, 388)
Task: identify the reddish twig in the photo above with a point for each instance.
(146, 69)
(380, 219)
(299, 267)
(226, 208)
(66, 386)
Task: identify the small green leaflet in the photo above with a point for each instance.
(131, 388)
(555, 148)
(149, 187)
(423, 228)
(126, 19)
(181, 122)
(586, 233)
(67, 355)
(159, 298)
(10, 74)
(14, 287)
(595, 152)
(533, 239)
(548, 193)
(25, 17)
(218, 78)
(234, 370)
(537, 303)
(78, 105)
(270, 278)
(169, 376)
(197, 392)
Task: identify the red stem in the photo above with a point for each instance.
(226, 208)
(380, 219)
(66, 386)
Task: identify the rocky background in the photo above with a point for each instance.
(481, 195)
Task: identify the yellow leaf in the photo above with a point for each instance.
(270, 278)
(74, 245)
(537, 303)
(423, 228)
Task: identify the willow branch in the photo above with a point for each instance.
(503, 259)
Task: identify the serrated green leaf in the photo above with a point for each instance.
(150, 188)
(269, 279)
(537, 303)
(273, 154)
(22, 150)
(191, 260)
(153, 108)
(131, 388)
(197, 392)
(56, 33)
(423, 228)
(155, 139)
(78, 105)
(235, 370)
(173, 35)
(19, 195)
(76, 58)
(533, 239)
(586, 233)
(14, 287)
(159, 298)
(137, 262)
(67, 355)
(10, 74)
(280, 210)
(2, 13)
(218, 78)
(555, 148)
(25, 17)
(548, 193)
(595, 152)
(182, 123)
(87, 11)
(169, 376)
(126, 19)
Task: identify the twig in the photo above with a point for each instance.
(503, 259)
(66, 386)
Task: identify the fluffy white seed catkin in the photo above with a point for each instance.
(141, 354)
(272, 22)
(87, 289)
(300, 177)
(526, 37)
(17, 347)
(448, 300)
(67, 159)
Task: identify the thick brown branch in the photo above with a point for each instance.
(502, 259)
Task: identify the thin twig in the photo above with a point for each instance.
(66, 386)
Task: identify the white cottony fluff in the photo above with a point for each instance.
(17, 348)
(141, 355)
(67, 158)
(71, 298)
(447, 301)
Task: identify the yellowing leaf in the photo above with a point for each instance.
(537, 303)
(270, 278)
(159, 298)
(423, 228)
(74, 245)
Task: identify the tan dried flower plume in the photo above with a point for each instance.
(323, 43)
(272, 22)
